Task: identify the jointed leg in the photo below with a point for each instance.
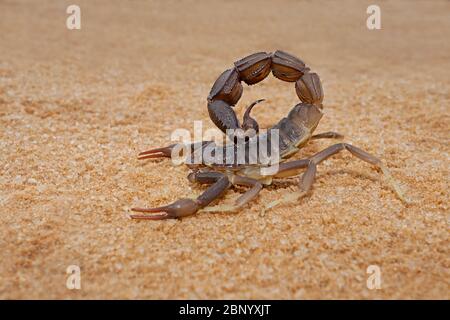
(327, 135)
(361, 154)
(204, 177)
(186, 207)
(291, 168)
(255, 188)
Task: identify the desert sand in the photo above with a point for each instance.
(76, 107)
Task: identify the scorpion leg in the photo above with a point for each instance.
(250, 194)
(204, 177)
(327, 135)
(186, 207)
(255, 188)
(361, 154)
(290, 168)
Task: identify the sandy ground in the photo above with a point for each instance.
(77, 106)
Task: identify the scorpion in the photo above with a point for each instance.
(293, 132)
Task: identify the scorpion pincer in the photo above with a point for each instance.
(292, 133)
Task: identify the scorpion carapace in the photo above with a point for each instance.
(292, 133)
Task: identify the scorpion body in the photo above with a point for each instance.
(290, 133)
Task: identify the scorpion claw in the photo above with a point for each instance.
(145, 217)
(178, 209)
(164, 152)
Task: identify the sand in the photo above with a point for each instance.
(77, 106)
